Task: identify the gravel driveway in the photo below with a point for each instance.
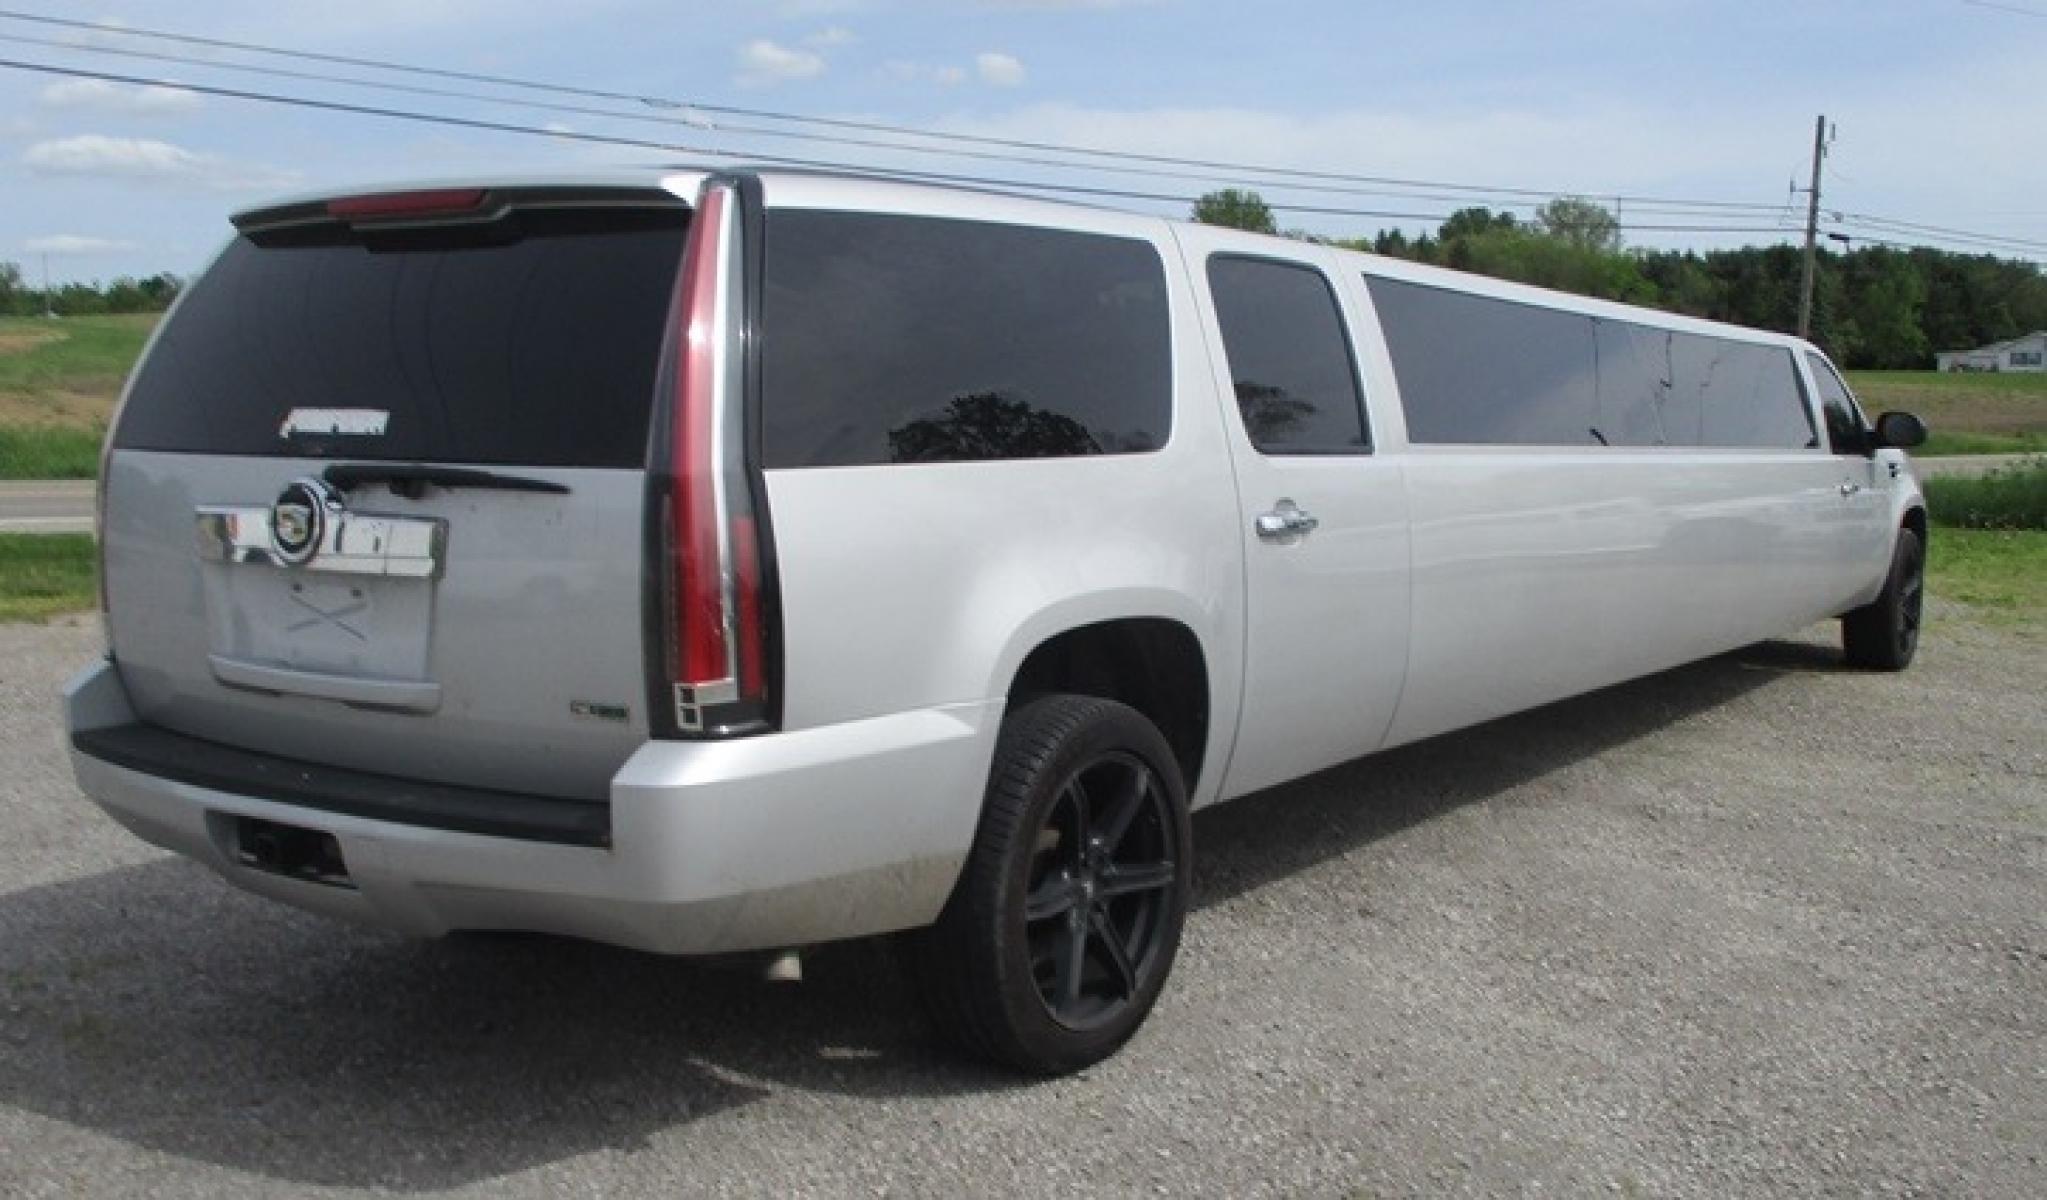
(1758, 925)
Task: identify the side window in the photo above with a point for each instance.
(894, 339)
(1846, 430)
(1289, 357)
(1474, 370)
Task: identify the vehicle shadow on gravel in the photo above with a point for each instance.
(156, 1005)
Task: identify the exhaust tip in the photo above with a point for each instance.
(785, 967)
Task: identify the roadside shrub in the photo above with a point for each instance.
(2012, 498)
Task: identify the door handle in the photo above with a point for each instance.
(1849, 489)
(1284, 521)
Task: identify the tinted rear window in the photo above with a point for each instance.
(891, 339)
(540, 351)
(1475, 370)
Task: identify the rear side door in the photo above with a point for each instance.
(1323, 519)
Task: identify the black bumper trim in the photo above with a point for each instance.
(154, 750)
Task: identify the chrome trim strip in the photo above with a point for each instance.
(351, 543)
(408, 695)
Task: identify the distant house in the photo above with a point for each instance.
(2028, 353)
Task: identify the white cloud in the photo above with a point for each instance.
(96, 154)
(832, 38)
(74, 243)
(99, 95)
(998, 69)
(763, 63)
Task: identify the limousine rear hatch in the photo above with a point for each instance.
(378, 498)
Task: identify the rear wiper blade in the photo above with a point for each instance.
(411, 480)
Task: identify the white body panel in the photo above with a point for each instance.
(1444, 586)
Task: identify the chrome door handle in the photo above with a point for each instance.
(1284, 521)
(1849, 489)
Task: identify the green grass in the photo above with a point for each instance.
(71, 355)
(2002, 574)
(1939, 443)
(48, 452)
(44, 574)
(1967, 413)
(2013, 497)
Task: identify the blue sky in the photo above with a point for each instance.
(1939, 102)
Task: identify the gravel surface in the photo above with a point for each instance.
(1755, 926)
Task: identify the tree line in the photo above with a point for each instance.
(1873, 306)
(123, 295)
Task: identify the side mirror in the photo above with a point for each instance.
(1901, 430)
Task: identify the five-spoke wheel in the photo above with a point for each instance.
(1067, 915)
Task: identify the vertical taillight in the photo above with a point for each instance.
(713, 598)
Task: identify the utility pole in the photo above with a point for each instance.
(49, 311)
(1812, 228)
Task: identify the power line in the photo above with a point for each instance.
(1119, 157)
(754, 130)
(1897, 226)
(2010, 8)
(561, 134)
(473, 123)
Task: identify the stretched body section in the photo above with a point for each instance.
(709, 563)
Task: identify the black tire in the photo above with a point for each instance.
(1001, 977)
(1883, 635)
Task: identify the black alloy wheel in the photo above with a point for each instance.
(1101, 879)
(1883, 635)
(1066, 917)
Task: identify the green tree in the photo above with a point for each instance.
(1236, 209)
(13, 297)
(1469, 222)
(1579, 222)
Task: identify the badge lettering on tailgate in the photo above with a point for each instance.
(332, 422)
(593, 711)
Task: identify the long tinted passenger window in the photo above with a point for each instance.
(1663, 387)
(1475, 370)
(1289, 357)
(909, 339)
(1484, 371)
(540, 350)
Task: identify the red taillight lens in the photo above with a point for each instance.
(393, 206)
(713, 603)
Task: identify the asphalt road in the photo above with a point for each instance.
(46, 506)
(1758, 926)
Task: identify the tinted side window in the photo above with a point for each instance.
(1845, 427)
(1661, 387)
(1478, 370)
(1289, 357)
(1474, 370)
(539, 351)
(891, 339)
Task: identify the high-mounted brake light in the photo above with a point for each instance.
(713, 594)
(393, 206)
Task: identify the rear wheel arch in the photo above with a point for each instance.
(1155, 665)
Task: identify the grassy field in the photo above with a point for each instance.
(44, 574)
(1968, 413)
(66, 373)
(2000, 574)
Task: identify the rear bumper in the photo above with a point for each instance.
(771, 841)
